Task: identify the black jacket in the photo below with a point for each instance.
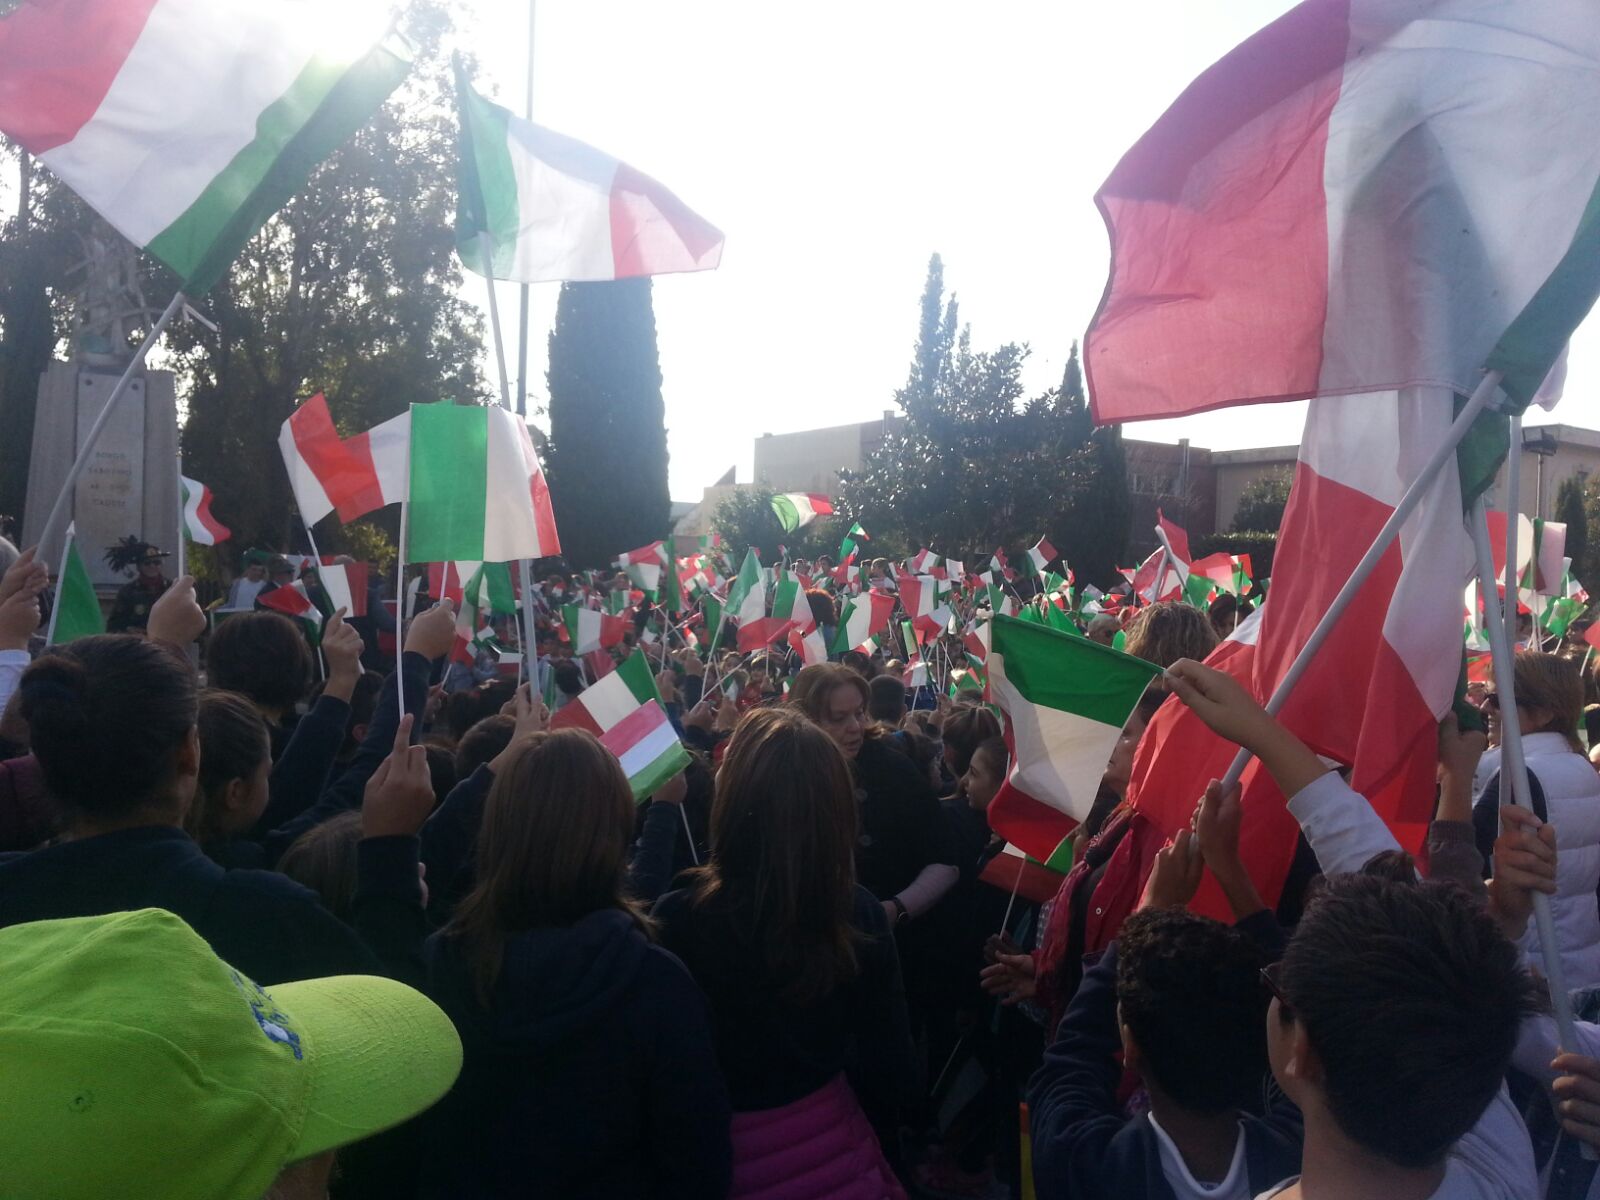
(591, 1074)
(1082, 1145)
(773, 1050)
(265, 924)
(901, 829)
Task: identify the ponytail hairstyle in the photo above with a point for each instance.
(108, 716)
(783, 837)
(233, 744)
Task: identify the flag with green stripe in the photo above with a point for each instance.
(187, 123)
(476, 489)
(77, 609)
(1065, 700)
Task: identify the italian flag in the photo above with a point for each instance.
(76, 613)
(849, 545)
(187, 123)
(919, 594)
(1363, 197)
(747, 604)
(644, 567)
(198, 524)
(487, 590)
(353, 476)
(536, 205)
(292, 600)
(1041, 554)
(864, 617)
(589, 629)
(1065, 700)
(796, 510)
(624, 711)
(476, 490)
(808, 647)
(1372, 697)
(790, 605)
(922, 561)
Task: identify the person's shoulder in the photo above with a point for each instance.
(270, 887)
(671, 905)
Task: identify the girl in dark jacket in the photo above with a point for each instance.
(589, 1065)
(799, 967)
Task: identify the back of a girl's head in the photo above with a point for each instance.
(783, 794)
(1165, 632)
(106, 716)
(783, 837)
(965, 729)
(233, 743)
(261, 655)
(323, 858)
(553, 844)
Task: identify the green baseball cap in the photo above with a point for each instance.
(136, 1063)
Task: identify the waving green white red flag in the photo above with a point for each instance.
(1364, 196)
(187, 123)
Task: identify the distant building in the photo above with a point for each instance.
(1197, 488)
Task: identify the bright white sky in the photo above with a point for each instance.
(837, 145)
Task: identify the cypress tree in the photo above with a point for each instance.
(608, 437)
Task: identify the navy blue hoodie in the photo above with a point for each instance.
(591, 1074)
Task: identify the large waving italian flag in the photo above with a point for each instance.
(1065, 700)
(553, 208)
(476, 489)
(187, 123)
(1372, 698)
(1366, 195)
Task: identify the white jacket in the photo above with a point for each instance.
(1572, 797)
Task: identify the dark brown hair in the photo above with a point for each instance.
(964, 731)
(233, 742)
(323, 858)
(262, 655)
(107, 716)
(783, 836)
(552, 848)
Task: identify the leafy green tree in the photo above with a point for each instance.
(1570, 511)
(608, 437)
(1094, 530)
(745, 518)
(976, 464)
(1262, 502)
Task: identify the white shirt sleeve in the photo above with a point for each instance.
(1343, 830)
(12, 664)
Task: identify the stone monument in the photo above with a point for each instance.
(130, 484)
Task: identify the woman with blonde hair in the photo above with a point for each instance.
(589, 1067)
(1549, 705)
(800, 969)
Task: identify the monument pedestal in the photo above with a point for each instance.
(130, 485)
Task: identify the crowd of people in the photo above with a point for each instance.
(280, 920)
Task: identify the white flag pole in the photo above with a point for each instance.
(183, 525)
(1513, 765)
(58, 514)
(1369, 561)
(400, 583)
(1508, 608)
(322, 662)
(61, 575)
